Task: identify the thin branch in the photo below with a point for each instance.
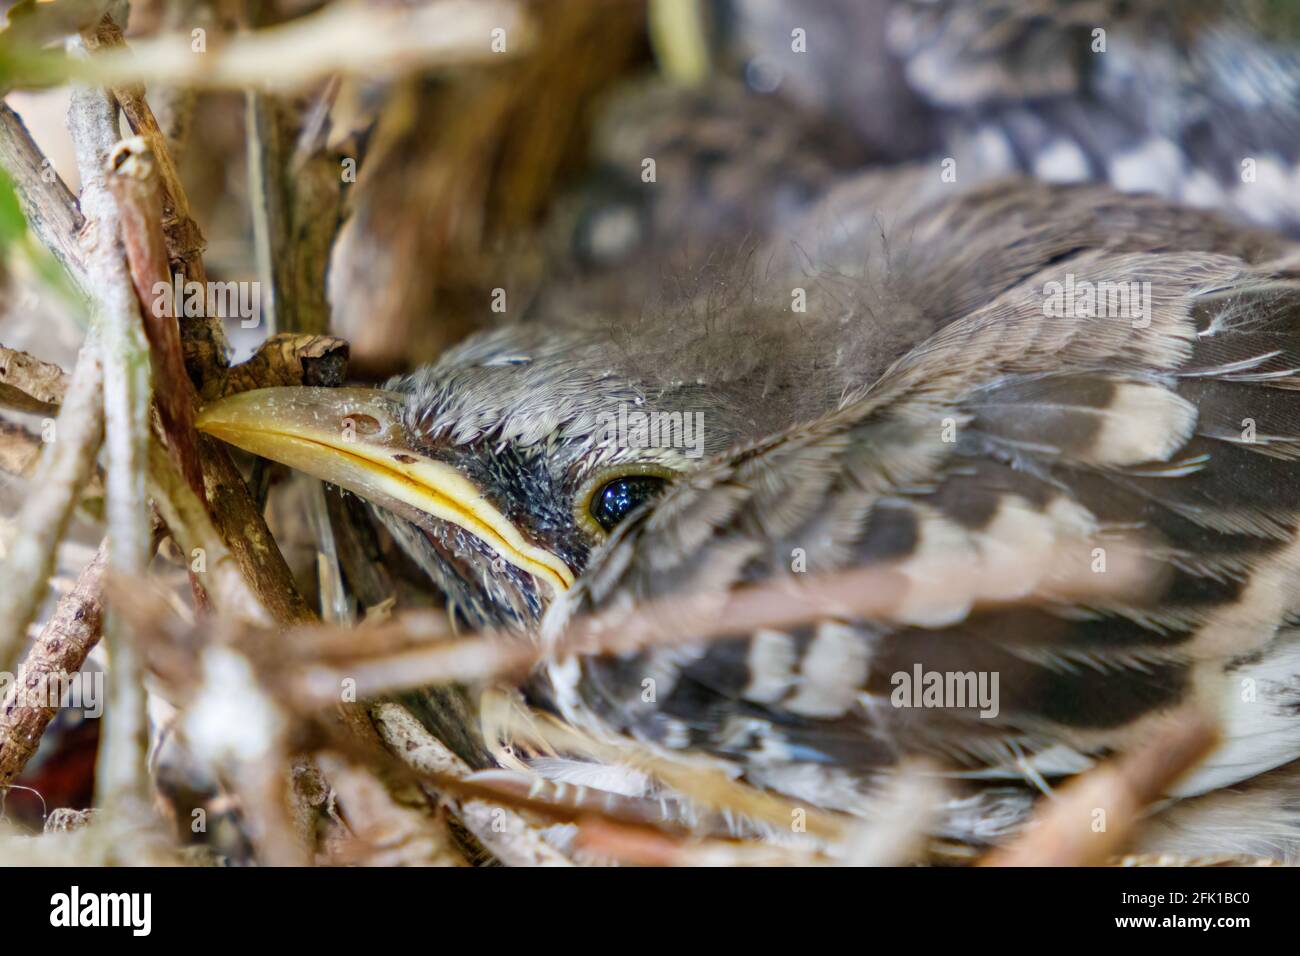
(185, 515)
(875, 593)
(210, 559)
(236, 515)
(503, 831)
(384, 832)
(244, 531)
(296, 205)
(64, 469)
(350, 38)
(134, 184)
(121, 776)
(48, 204)
(203, 338)
(335, 602)
(107, 37)
(1090, 820)
(60, 651)
(241, 524)
(267, 198)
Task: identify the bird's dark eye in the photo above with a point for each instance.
(614, 499)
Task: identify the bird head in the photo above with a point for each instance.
(500, 468)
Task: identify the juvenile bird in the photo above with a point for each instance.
(969, 389)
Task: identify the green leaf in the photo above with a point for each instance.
(13, 225)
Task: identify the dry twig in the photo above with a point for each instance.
(204, 341)
(64, 468)
(1090, 820)
(121, 777)
(348, 38)
(61, 649)
(384, 832)
(284, 359)
(241, 524)
(874, 593)
(30, 385)
(192, 527)
(48, 204)
(134, 183)
(503, 831)
(185, 238)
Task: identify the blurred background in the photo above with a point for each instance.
(413, 196)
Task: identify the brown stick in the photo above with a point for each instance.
(59, 652)
(1092, 818)
(284, 359)
(63, 471)
(346, 38)
(50, 208)
(499, 828)
(184, 237)
(245, 532)
(384, 832)
(195, 534)
(239, 521)
(203, 338)
(133, 182)
(873, 592)
(121, 774)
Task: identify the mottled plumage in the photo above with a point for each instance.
(1064, 432)
(897, 382)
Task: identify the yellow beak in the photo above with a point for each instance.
(355, 438)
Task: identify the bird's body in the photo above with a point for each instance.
(904, 382)
(1101, 429)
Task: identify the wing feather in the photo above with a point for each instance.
(1010, 436)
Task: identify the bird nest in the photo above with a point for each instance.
(278, 683)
